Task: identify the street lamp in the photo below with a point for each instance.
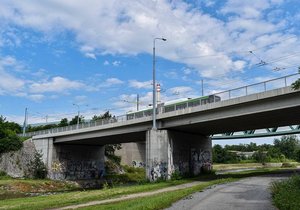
(154, 84)
(78, 113)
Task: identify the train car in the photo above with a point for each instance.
(191, 102)
(174, 105)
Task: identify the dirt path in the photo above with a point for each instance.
(131, 196)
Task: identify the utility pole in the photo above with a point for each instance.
(25, 122)
(78, 114)
(202, 87)
(137, 102)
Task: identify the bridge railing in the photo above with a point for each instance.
(258, 87)
(225, 95)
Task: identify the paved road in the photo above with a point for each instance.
(250, 193)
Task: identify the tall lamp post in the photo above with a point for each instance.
(154, 84)
(78, 113)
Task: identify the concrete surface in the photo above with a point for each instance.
(247, 194)
(268, 109)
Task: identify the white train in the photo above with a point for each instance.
(174, 105)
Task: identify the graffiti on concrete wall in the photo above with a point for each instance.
(181, 162)
(138, 164)
(200, 160)
(67, 168)
(159, 170)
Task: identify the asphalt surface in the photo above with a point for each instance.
(250, 193)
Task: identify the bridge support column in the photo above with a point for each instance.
(171, 151)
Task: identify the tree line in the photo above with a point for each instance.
(65, 122)
(283, 149)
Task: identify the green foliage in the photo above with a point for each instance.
(63, 122)
(111, 148)
(223, 155)
(130, 175)
(287, 145)
(74, 120)
(40, 127)
(286, 193)
(37, 168)
(284, 149)
(9, 141)
(296, 84)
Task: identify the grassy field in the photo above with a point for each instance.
(15, 188)
(220, 167)
(286, 193)
(71, 198)
(159, 201)
(79, 197)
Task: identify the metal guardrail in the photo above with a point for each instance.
(225, 95)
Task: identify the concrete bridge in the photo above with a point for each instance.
(180, 143)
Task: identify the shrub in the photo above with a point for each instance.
(286, 193)
(37, 168)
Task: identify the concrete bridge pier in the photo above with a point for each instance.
(171, 151)
(71, 161)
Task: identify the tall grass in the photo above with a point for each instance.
(286, 193)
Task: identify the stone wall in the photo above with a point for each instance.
(15, 163)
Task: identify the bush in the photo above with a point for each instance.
(286, 193)
(37, 168)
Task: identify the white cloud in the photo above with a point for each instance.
(116, 63)
(113, 81)
(56, 84)
(181, 90)
(36, 97)
(128, 27)
(8, 82)
(91, 55)
(106, 63)
(171, 75)
(140, 85)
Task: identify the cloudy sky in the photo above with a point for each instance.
(98, 54)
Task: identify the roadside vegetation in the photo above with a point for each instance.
(16, 188)
(286, 193)
(53, 200)
(9, 140)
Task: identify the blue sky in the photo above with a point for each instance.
(98, 54)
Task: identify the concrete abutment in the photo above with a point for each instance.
(71, 162)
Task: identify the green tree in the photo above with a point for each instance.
(287, 145)
(296, 84)
(63, 122)
(9, 141)
(74, 120)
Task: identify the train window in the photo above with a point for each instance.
(181, 106)
(194, 103)
(204, 101)
(139, 115)
(148, 113)
(130, 116)
(169, 108)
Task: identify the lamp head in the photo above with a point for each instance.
(164, 39)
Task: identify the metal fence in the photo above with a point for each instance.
(225, 95)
